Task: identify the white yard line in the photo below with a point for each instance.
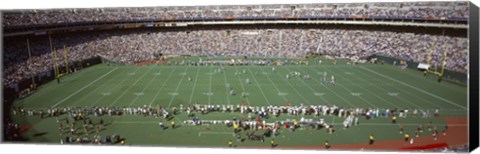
(163, 84)
(256, 82)
(331, 90)
(179, 121)
(413, 87)
(313, 90)
(135, 83)
(226, 90)
(194, 85)
(88, 85)
(176, 89)
(295, 89)
(243, 88)
(210, 87)
(41, 91)
(114, 87)
(274, 86)
(422, 78)
(386, 91)
(361, 98)
(148, 84)
(216, 133)
(405, 91)
(97, 89)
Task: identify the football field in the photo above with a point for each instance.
(358, 86)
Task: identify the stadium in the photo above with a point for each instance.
(328, 76)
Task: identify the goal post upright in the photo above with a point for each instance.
(30, 62)
(54, 51)
(438, 73)
(432, 49)
(65, 53)
(444, 61)
(57, 72)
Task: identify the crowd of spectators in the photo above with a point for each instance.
(134, 47)
(262, 111)
(406, 10)
(11, 130)
(256, 117)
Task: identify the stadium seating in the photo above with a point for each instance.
(133, 47)
(451, 11)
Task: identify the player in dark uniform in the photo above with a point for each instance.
(230, 143)
(101, 123)
(173, 124)
(435, 133)
(407, 137)
(327, 145)
(272, 143)
(445, 131)
(371, 139)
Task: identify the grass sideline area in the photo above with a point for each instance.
(362, 85)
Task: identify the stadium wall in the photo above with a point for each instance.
(11, 93)
(449, 76)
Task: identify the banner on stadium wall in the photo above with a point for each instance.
(422, 66)
(453, 76)
(181, 25)
(131, 26)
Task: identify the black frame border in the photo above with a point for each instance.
(473, 107)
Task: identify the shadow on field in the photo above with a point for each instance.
(40, 134)
(108, 124)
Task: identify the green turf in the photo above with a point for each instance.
(167, 86)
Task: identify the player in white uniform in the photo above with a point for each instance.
(231, 91)
(324, 77)
(333, 80)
